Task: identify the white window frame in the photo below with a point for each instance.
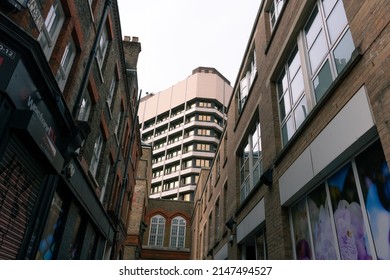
(275, 11)
(251, 176)
(97, 150)
(102, 47)
(247, 80)
(51, 29)
(111, 92)
(85, 107)
(66, 64)
(307, 99)
(157, 230)
(178, 232)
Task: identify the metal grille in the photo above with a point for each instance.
(20, 180)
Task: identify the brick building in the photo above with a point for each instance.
(137, 224)
(69, 144)
(302, 171)
(168, 232)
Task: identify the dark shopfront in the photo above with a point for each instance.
(48, 208)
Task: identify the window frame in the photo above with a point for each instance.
(66, 64)
(97, 152)
(51, 28)
(247, 165)
(178, 233)
(307, 98)
(159, 234)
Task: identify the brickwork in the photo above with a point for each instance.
(368, 68)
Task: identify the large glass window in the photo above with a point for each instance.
(292, 98)
(157, 228)
(324, 47)
(250, 162)
(178, 232)
(348, 215)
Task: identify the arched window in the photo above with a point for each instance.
(178, 232)
(156, 234)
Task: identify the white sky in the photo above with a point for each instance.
(178, 36)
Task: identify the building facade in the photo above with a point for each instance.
(69, 145)
(184, 124)
(168, 232)
(303, 165)
(137, 225)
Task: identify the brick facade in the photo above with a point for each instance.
(265, 215)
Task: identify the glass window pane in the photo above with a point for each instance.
(282, 84)
(318, 52)
(321, 225)
(297, 86)
(374, 177)
(348, 216)
(294, 64)
(328, 6)
(322, 81)
(343, 52)
(300, 112)
(336, 22)
(51, 233)
(301, 231)
(287, 130)
(313, 27)
(285, 106)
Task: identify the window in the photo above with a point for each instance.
(217, 217)
(274, 12)
(85, 108)
(205, 118)
(292, 98)
(324, 48)
(66, 64)
(116, 128)
(250, 162)
(247, 80)
(203, 131)
(261, 245)
(202, 163)
(90, 2)
(51, 234)
(347, 215)
(178, 232)
(102, 47)
(111, 91)
(105, 180)
(97, 149)
(51, 29)
(157, 228)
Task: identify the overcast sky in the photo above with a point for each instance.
(178, 36)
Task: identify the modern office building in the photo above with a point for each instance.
(184, 124)
(302, 171)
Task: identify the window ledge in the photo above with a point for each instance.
(355, 58)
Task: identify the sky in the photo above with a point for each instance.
(178, 36)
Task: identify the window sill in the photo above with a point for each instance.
(355, 58)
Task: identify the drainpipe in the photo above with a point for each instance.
(91, 57)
